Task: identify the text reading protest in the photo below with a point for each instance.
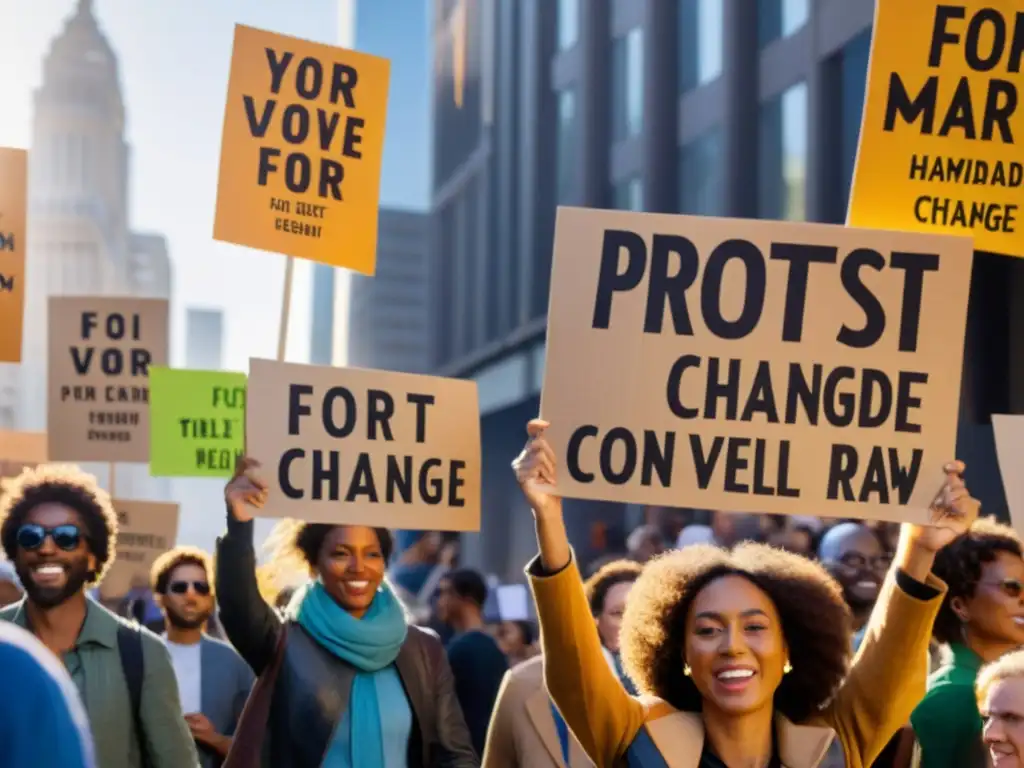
(101, 350)
(301, 150)
(367, 447)
(943, 123)
(197, 422)
(752, 366)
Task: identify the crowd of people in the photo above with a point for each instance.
(742, 641)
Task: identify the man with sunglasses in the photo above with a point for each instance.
(213, 680)
(59, 529)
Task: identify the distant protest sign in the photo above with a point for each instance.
(301, 150)
(942, 137)
(21, 450)
(753, 366)
(13, 212)
(197, 422)
(1009, 435)
(364, 447)
(146, 529)
(100, 351)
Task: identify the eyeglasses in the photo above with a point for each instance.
(31, 536)
(181, 587)
(859, 562)
(1012, 587)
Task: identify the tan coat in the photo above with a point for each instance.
(882, 688)
(522, 732)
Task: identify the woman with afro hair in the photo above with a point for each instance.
(742, 655)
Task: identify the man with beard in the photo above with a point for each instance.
(60, 529)
(854, 556)
(213, 680)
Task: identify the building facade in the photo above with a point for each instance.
(80, 238)
(389, 318)
(204, 339)
(743, 108)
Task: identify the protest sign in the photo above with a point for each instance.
(196, 422)
(753, 366)
(363, 447)
(1009, 435)
(100, 350)
(942, 136)
(146, 529)
(13, 207)
(21, 450)
(301, 149)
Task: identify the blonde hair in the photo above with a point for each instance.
(1006, 667)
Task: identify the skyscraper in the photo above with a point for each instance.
(80, 241)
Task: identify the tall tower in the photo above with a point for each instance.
(78, 191)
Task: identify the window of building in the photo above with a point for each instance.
(701, 177)
(780, 18)
(628, 195)
(782, 155)
(627, 101)
(567, 144)
(700, 42)
(853, 72)
(568, 23)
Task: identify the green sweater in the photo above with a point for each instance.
(947, 723)
(95, 667)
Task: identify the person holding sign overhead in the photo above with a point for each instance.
(745, 652)
(356, 686)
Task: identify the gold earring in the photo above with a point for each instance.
(687, 670)
(787, 667)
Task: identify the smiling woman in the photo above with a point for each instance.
(348, 654)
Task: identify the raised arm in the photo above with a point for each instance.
(597, 709)
(251, 625)
(889, 672)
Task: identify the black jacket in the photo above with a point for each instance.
(313, 686)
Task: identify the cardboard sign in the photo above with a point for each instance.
(21, 450)
(197, 422)
(13, 208)
(146, 529)
(362, 447)
(99, 356)
(301, 149)
(753, 366)
(942, 137)
(1009, 434)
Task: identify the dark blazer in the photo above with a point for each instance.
(313, 686)
(226, 681)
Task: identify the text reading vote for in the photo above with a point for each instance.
(297, 122)
(988, 42)
(111, 360)
(672, 264)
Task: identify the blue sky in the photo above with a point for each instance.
(174, 59)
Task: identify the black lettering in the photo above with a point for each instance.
(800, 257)
(284, 468)
(663, 287)
(572, 453)
(628, 442)
(914, 266)
(610, 280)
(729, 389)
(841, 471)
(421, 402)
(331, 426)
(704, 465)
(734, 463)
(905, 401)
(325, 474)
(874, 314)
(675, 384)
(296, 407)
(431, 489)
(382, 408)
(711, 289)
(455, 482)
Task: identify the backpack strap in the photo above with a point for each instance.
(129, 647)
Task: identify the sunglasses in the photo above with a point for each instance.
(181, 587)
(860, 563)
(31, 536)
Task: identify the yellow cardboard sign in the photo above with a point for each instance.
(942, 139)
(196, 422)
(13, 189)
(301, 149)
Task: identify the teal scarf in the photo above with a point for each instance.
(369, 644)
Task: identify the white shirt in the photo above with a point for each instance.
(189, 672)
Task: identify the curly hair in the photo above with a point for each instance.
(815, 622)
(960, 563)
(163, 566)
(607, 576)
(61, 484)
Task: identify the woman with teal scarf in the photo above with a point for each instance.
(357, 687)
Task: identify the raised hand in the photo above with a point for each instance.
(245, 491)
(535, 471)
